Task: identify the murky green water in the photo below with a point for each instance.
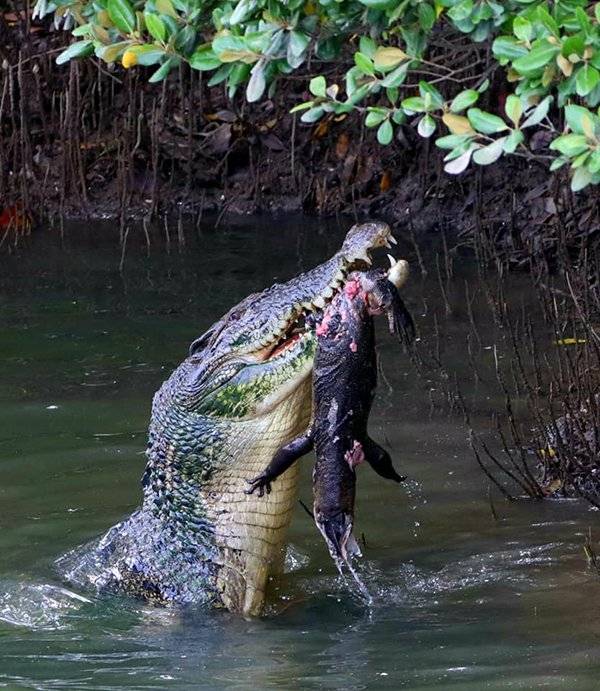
(461, 600)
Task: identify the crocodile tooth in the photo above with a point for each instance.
(392, 261)
(328, 292)
(398, 273)
(319, 302)
(393, 240)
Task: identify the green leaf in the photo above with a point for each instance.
(260, 41)
(461, 11)
(359, 94)
(296, 51)
(570, 144)
(426, 89)
(580, 160)
(376, 4)
(458, 164)
(426, 16)
(490, 153)
(240, 73)
(185, 40)
(395, 77)
(166, 7)
(221, 74)
(452, 141)
(257, 82)
(241, 11)
(204, 58)
(163, 70)
(513, 109)
(302, 106)
(426, 126)
(230, 48)
(318, 86)
(367, 46)
(573, 45)
(375, 117)
(522, 29)
(594, 163)
(388, 57)
(463, 100)
(385, 133)
(586, 80)
(121, 15)
(484, 86)
(156, 27)
(548, 21)
(149, 54)
(486, 123)
(580, 179)
(558, 163)
(538, 113)
(414, 104)
(364, 63)
(513, 140)
(507, 48)
(81, 49)
(313, 114)
(583, 19)
(82, 30)
(398, 116)
(538, 57)
(113, 52)
(340, 108)
(579, 119)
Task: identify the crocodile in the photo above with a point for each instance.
(242, 393)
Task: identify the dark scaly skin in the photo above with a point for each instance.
(219, 418)
(344, 382)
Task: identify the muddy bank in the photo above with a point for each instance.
(89, 141)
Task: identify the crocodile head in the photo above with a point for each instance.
(253, 357)
(243, 392)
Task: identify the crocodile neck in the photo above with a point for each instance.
(194, 492)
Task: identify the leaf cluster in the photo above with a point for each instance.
(549, 52)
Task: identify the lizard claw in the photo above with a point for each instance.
(260, 483)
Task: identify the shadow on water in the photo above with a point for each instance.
(469, 591)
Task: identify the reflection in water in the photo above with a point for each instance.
(465, 597)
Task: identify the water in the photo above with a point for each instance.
(461, 600)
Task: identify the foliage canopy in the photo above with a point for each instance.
(549, 52)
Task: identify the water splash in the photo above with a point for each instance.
(38, 606)
(414, 492)
(294, 559)
(408, 584)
